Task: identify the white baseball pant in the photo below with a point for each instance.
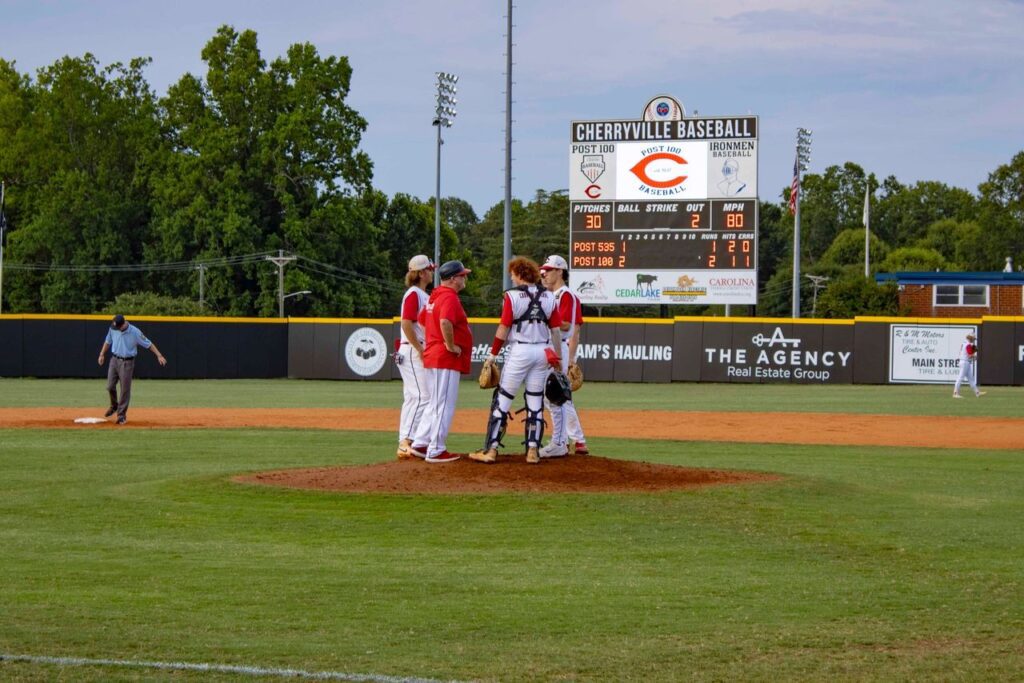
(414, 423)
(444, 394)
(565, 421)
(529, 363)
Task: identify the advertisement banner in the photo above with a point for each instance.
(754, 352)
(922, 354)
(656, 286)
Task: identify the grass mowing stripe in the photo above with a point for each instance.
(218, 668)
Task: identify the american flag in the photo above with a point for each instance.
(794, 188)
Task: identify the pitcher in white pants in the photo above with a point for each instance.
(414, 423)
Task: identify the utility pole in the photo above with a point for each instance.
(818, 282)
(202, 270)
(506, 252)
(3, 227)
(280, 261)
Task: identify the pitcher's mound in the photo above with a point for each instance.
(572, 474)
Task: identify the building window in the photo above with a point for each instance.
(961, 295)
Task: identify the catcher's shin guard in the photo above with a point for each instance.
(534, 430)
(497, 423)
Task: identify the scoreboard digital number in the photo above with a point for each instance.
(664, 212)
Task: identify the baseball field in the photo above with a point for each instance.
(816, 533)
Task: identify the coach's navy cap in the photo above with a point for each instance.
(450, 269)
(118, 321)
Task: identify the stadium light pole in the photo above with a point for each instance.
(444, 115)
(803, 158)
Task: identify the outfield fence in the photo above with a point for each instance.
(864, 350)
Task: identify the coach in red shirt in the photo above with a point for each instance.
(447, 354)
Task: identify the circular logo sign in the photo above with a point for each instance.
(366, 351)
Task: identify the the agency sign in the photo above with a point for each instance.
(810, 354)
(922, 354)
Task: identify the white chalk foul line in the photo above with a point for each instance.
(218, 668)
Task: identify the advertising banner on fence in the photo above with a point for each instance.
(752, 352)
(922, 354)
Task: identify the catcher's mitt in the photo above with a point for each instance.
(557, 389)
(490, 374)
(575, 376)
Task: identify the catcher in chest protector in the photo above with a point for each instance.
(567, 431)
(530, 325)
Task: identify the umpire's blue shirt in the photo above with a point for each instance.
(126, 344)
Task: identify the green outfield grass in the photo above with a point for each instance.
(860, 564)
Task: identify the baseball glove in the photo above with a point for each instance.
(557, 389)
(575, 376)
(490, 375)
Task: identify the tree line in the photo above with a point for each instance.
(188, 193)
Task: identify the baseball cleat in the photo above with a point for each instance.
(443, 456)
(532, 455)
(110, 411)
(121, 419)
(403, 450)
(418, 450)
(957, 396)
(554, 450)
(580, 448)
(981, 393)
(489, 456)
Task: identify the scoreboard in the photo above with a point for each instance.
(664, 211)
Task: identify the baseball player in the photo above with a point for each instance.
(123, 341)
(447, 354)
(968, 366)
(414, 424)
(565, 421)
(530, 324)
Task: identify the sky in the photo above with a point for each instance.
(917, 89)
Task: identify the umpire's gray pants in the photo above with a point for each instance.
(120, 369)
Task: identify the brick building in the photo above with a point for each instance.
(958, 295)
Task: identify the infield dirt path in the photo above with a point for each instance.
(794, 428)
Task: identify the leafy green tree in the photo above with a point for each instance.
(80, 145)
(847, 249)
(1001, 212)
(902, 214)
(913, 259)
(959, 242)
(830, 203)
(853, 295)
(266, 158)
(151, 303)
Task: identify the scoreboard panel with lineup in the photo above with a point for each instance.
(664, 211)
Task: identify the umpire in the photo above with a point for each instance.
(123, 341)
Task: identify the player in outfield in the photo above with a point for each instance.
(968, 366)
(566, 428)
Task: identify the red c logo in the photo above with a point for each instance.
(640, 170)
(593, 191)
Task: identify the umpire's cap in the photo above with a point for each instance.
(117, 322)
(450, 269)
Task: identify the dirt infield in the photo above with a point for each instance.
(577, 474)
(795, 428)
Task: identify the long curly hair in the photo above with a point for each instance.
(526, 269)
